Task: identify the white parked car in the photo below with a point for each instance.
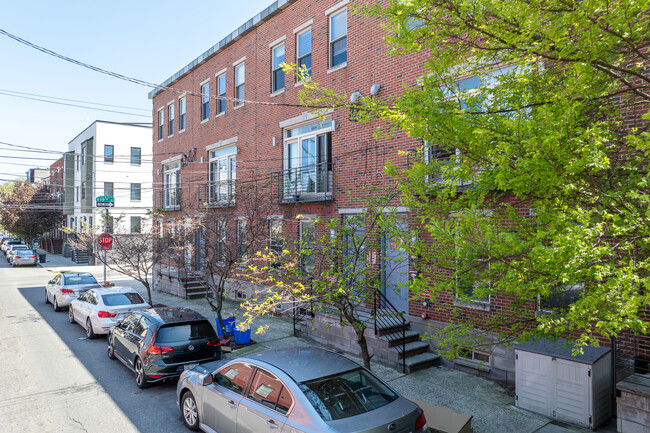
(23, 256)
(12, 248)
(98, 310)
(65, 287)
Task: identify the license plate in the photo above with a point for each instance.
(190, 366)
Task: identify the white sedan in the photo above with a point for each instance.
(98, 310)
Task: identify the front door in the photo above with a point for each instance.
(200, 250)
(395, 267)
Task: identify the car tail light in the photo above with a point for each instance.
(421, 422)
(159, 350)
(18, 257)
(105, 314)
(67, 291)
(33, 257)
(214, 342)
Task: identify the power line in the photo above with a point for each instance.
(75, 100)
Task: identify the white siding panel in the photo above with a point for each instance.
(572, 393)
(532, 382)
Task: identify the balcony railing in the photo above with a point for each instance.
(303, 184)
(217, 194)
(168, 199)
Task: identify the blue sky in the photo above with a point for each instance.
(140, 39)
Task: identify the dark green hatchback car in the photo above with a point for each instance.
(160, 343)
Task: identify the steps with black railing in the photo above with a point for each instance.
(195, 286)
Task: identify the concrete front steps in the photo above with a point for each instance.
(195, 286)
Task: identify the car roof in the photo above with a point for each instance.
(306, 363)
(165, 315)
(111, 290)
(66, 273)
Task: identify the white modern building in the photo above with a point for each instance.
(109, 159)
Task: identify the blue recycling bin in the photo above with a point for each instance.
(242, 337)
(228, 323)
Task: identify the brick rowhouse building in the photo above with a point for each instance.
(259, 131)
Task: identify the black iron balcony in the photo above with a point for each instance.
(217, 194)
(303, 184)
(168, 199)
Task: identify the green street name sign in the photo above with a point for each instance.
(105, 201)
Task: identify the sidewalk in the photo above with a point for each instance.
(493, 410)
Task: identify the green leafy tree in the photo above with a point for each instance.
(533, 179)
(28, 210)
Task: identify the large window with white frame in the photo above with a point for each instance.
(242, 238)
(275, 236)
(303, 51)
(308, 157)
(307, 243)
(240, 84)
(172, 186)
(277, 73)
(182, 115)
(221, 94)
(338, 38)
(170, 119)
(560, 298)
(223, 176)
(205, 101)
(161, 124)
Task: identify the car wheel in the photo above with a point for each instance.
(111, 350)
(47, 300)
(190, 411)
(56, 305)
(89, 330)
(140, 378)
(70, 315)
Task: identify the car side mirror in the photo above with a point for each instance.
(50, 282)
(208, 380)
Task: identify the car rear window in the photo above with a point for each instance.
(185, 331)
(347, 394)
(79, 279)
(122, 299)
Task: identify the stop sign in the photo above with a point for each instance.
(105, 240)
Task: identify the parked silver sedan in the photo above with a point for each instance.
(65, 287)
(98, 310)
(293, 390)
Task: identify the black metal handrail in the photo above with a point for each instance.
(300, 311)
(386, 315)
(167, 199)
(305, 183)
(217, 193)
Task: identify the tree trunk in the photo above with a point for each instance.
(148, 287)
(363, 345)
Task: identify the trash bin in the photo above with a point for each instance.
(242, 337)
(228, 324)
(41, 258)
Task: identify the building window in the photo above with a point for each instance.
(76, 193)
(307, 244)
(275, 236)
(161, 124)
(83, 155)
(242, 238)
(223, 175)
(170, 119)
(240, 78)
(338, 38)
(221, 93)
(108, 189)
(221, 240)
(83, 189)
(172, 186)
(308, 157)
(109, 153)
(476, 356)
(205, 101)
(183, 110)
(560, 298)
(136, 192)
(136, 224)
(303, 47)
(136, 156)
(277, 74)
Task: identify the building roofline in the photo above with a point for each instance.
(252, 23)
(136, 124)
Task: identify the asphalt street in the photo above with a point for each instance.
(53, 379)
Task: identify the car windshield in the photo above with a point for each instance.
(122, 299)
(79, 279)
(346, 394)
(185, 331)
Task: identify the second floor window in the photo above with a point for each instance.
(83, 190)
(308, 159)
(161, 124)
(221, 94)
(136, 224)
(136, 191)
(303, 42)
(83, 155)
(136, 156)
(240, 78)
(223, 176)
(109, 153)
(108, 189)
(277, 74)
(183, 110)
(338, 38)
(170, 116)
(205, 101)
(172, 186)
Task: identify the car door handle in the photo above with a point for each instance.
(232, 404)
(272, 424)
